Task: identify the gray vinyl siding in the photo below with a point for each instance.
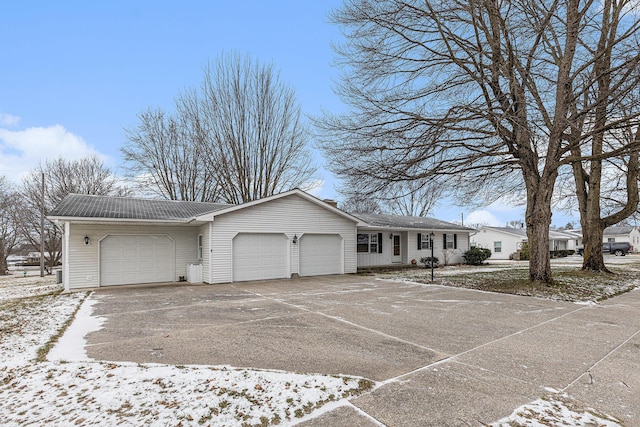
(290, 215)
(84, 261)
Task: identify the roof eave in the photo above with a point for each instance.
(87, 220)
(392, 228)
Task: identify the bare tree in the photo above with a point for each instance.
(164, 159)
(9, 229)
(84, 176)
(237, 138)
(480, 91)
(400, 198)
(357, 203)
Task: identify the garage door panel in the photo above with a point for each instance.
(320, 254)
(260, 256)
(136, 259)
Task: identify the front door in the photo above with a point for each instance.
(396, 249)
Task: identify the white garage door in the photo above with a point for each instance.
(260, 257)
(320, 254)
(131, 259)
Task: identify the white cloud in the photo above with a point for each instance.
(23, 150)
(314, 187)
(483, 217)
(8, 119)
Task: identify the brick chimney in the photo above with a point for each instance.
(331, 202)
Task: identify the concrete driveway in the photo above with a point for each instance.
(442, 356)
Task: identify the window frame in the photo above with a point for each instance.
(450, 239)
(200, 246)
(373, 243)
(362, 244)
(497, 249)
(425, 244)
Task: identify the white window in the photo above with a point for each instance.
(369, 243)
(426, 239)
(373, 243)
(497, 247)
(363, 243)
(199, 246)
(450, 240)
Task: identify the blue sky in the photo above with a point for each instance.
(75, 73)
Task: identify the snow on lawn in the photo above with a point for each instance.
(19, 286)
(556, 409)
(103, 393)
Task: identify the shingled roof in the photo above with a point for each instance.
(108, 207)
(416, 222)
(619, 229)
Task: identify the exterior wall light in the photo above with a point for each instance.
(295, 239)
(390, 235)
(87, 241)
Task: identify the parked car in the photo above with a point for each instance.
(616, 248)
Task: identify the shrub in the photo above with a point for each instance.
(429, 261)
(476, 256)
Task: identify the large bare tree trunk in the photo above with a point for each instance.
(538, 219)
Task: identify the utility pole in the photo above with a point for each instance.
(42, 229)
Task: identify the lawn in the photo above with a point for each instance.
(570, 283)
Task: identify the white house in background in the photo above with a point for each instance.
(621, 233)
(117, 240)
(13, 260)
(616, 233)
(504, 241)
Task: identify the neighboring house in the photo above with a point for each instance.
(576, 237)
(391, 239)
(561, 240)
(504, 241)
(34, 257)
(117, 240)
(620, 233)
(616, 233)
(13, 260)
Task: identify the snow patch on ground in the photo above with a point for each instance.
(556, 409)
(104, 393)
(71, 346)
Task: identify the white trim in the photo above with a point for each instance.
(133, 221)
(211, 252)
(416, 230)
(65, 256)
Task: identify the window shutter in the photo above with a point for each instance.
(419, 241)
(455, 241)
(379, 243)
(444, 241)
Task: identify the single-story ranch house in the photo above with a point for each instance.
(120, 240)
(504, 241)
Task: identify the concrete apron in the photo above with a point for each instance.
(442, 356)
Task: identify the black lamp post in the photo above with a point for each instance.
(431, 244)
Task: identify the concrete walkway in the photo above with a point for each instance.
(441, 356)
